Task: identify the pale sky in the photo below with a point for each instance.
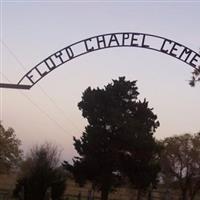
(33, 30)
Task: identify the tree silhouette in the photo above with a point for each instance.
(10, 152)
(181, 163)
(118, 141)
(195, 77)
(40, 173)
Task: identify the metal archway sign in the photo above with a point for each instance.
(104, 41)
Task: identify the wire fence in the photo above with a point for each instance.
(153, 195)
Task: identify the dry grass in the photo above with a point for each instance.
(7, 183)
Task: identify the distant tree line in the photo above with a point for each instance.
(116, 147)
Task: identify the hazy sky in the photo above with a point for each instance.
(32, 30)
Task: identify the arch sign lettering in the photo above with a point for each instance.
(99, 42)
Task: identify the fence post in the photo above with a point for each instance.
(89, 194)
(79, 196)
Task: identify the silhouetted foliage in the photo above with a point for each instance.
(181, 164)
(10, 152)
(118, 141)
(195, 77)
(40, 173)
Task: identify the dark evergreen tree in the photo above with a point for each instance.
(118, 141)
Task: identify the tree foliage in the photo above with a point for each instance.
(10, 152)
(195, 77)
(39, 173)
(181, 163)
(118, 140)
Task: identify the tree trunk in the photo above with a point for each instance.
(193, 195)
(139, 194)
(150, 195)
(184, 194)
(104, 194)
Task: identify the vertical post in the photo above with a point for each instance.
(79, 196)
